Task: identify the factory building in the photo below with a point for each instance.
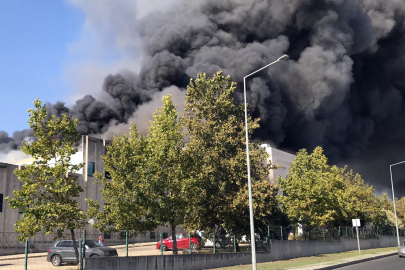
(280, 158)
(90, 153)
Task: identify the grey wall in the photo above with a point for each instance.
(8, 183)
(280, 250)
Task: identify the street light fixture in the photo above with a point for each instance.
(393, 199)
(252, 229)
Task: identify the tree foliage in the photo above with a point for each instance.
(126, 193)
(169, 168)
(312, 188)
(50, 191)
(320, 195)
(149, 182)
(356, 199)
(217, 148)
(400, 205)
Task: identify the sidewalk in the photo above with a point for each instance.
(348, 261)
(44, 254)
(320, 262)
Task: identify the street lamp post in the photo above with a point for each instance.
(252, 229)
(393, 199)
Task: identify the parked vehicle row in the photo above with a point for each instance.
(62, 251)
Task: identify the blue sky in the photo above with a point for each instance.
(34, 39)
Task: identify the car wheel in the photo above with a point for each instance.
(194, 246)
(56, 260)
(94, 256)
(164, 247)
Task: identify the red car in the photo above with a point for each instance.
(182, 242)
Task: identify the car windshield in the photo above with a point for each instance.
(403, 243)
(92, 244)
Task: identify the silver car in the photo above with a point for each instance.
(401, 249)
(62, 251)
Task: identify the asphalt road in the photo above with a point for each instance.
(388, 263)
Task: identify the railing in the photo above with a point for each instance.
(210, 243)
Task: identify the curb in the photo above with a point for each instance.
(356, 262)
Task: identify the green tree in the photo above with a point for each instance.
(383, 215)
(356, 199)
(49, 193)
(168, 168)
(217, 150)
(125, 190)
(400, 205)
(313, 189)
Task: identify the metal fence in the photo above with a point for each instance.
(329, 234)
(146, 243)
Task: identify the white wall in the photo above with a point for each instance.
(281, 159)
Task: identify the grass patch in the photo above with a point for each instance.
(305, 261)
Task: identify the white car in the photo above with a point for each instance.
(208, 242)
(401, 249)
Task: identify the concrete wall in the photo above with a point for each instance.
(280, 250)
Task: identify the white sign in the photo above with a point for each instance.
(356, 222)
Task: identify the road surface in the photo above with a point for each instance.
(388, 263)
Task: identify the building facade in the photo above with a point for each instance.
(280, 158)
(90, 153)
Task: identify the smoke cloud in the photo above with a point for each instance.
(342, 88)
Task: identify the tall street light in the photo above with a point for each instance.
(252, 228)
(393, 199)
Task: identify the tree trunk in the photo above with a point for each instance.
(174, 238)
(72, 232)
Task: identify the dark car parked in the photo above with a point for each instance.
(62, 251)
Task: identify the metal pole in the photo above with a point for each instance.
(252, 228)
(26, 255)
(234, 243)
(214, 243)
(126, 242)
(84, 243)
(358, 241)
(268, 236)
(80, 255)
(189, 241)
(393, 199)
(161, 243)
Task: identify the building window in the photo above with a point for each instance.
(1, 202)
(22, 210)
(107, 235)
(152, 235)
(165, 235)
(107, 175)
(90, 168)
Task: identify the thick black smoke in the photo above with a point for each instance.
(13, 143)
(342, 89)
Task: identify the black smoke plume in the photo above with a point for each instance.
(342, 89)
